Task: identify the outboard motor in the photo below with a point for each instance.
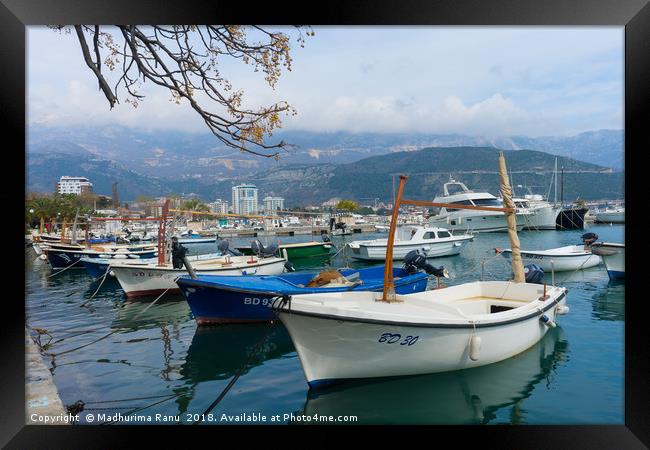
(341, 226)
(223, 248)
(178, 253)
(289, 267)
(415, 260)
(325, 237)
(533, 273)
(262, 251)
(589, 238)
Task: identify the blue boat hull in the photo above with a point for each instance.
(61, 259)
(236, 304)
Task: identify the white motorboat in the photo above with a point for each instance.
(471, 220)
(560, 259)
(342, 336)
(138, 279)
(431, 241)
(613, 256)
(611, 215)
(354, 335)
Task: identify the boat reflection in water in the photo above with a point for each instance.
(471, 396)
(217, 352)
(139, 315)
(609, 303)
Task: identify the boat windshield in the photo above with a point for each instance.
(463, 202)
(488, 202)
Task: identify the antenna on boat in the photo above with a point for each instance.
(506, 192)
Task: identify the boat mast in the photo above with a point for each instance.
(389, 287)
(555, 180)
(506, 193)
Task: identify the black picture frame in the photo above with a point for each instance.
(634, 15)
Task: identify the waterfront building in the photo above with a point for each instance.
(272, 204)
(74, 185)
(244, 199)
(220, 206)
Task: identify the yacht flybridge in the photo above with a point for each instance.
(456, 193)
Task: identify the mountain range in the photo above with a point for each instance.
(323, 165)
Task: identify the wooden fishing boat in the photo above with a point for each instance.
(613, 256)
(561, 259)
(355, 335)
(220, 299)
(299, 250)
(141, 279)
(96, 267)
(432, 241)
(61, 256)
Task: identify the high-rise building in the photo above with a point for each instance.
(244, 199)
(272, 204)
(220, 206)
(74, 185)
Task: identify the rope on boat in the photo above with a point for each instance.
(98, 287)
(63, 270)
(239, 373)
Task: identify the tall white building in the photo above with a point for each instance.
(220, 206)
(74, 185)
(244, 199)
(272, 204)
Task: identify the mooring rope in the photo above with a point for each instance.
(98, 287)
(63, 270)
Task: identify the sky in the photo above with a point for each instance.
(480, 81)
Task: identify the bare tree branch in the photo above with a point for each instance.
(185, 60)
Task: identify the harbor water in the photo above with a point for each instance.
(123, 360)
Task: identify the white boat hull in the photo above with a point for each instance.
(560, 262)
(542, 218)
(378, 253)
(610, 217)
(484, 223)
(139, 281)
(613, 256)
(335, 349)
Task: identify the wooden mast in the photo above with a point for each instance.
(389, 286)
(506, 192)
(161, 234)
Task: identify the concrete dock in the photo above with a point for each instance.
(43, 405)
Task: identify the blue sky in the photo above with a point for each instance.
(490, 81)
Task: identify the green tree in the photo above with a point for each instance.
(347, 205)
(194, 205)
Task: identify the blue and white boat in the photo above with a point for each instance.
(228, 299)
(64, 256)
(96, 267)
(613, 255)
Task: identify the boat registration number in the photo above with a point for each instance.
(394, 338)
(258, 301)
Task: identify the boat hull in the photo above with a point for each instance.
(543, 218)
(558, 263)
(326, 346)
(571, 219)
(317, 250)
(487, 223)
(232, 304)
(613, 256)
(61, 259)
(432, 250)
(143, 281)
(610, 217)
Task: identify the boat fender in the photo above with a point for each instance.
(547, 321)
(111, 273)
(105, 255)
(474, 347)
(562, 309)
(120, 257)
(43, 256)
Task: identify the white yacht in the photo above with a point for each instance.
(611, 215)
(473, 220)
(543, 214)
(433, 242)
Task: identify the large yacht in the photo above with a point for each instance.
(467, 220)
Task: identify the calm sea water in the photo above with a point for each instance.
(160, 362)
